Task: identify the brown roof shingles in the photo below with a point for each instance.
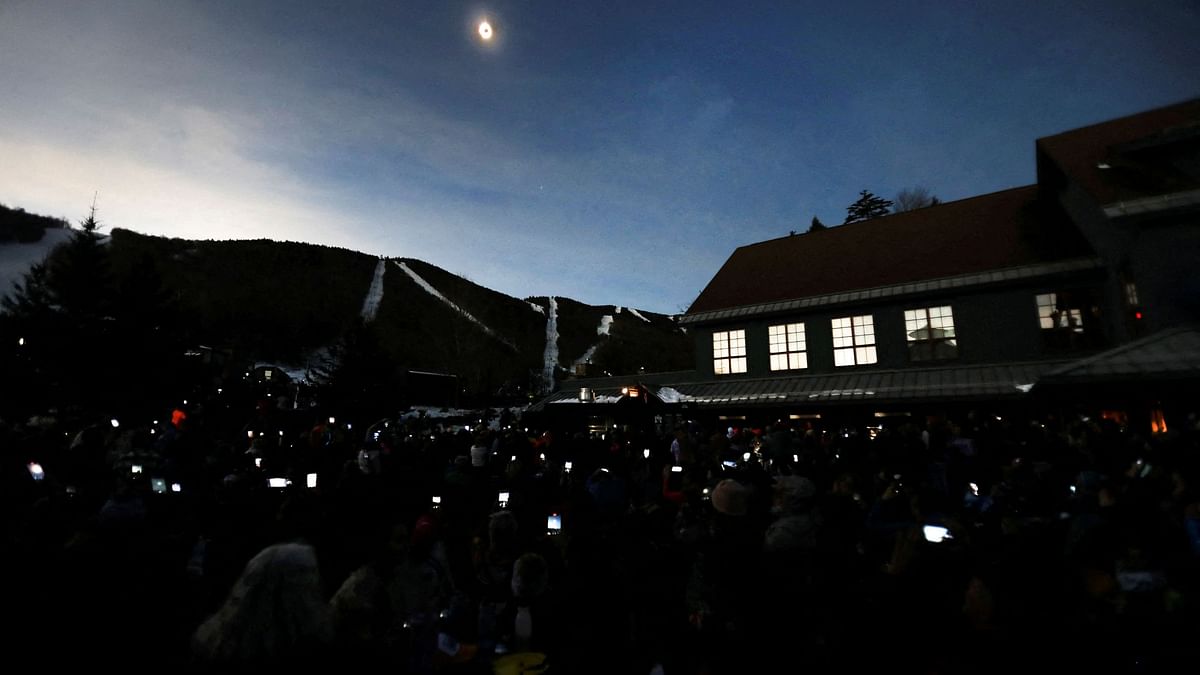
(993, 231)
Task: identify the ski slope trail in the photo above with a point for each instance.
(602, 329)
(451, 304)
(550, 359)
(638, 315)
(374, 294)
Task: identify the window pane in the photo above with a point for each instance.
(797, 361)
(720, 366)
(865, 355)
(796, 339)
(777, 339)
(779, 361)
(737, 365)
(737, 342)
(928, 332)
(843, 357)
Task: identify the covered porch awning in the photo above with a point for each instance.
(991, 381)
(1170, 355)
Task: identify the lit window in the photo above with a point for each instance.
(854, 341)
(930, 333)
(787, 347)
(729, 352)
(1052, 316)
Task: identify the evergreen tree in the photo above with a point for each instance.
(80, 278)
(89, 343)
(816, 225)
(867, 206)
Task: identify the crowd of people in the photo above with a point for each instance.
(932, 545)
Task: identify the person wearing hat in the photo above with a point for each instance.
(722, 590)
(730, 498)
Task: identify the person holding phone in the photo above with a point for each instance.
(672, 489)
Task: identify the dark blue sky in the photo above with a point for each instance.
(614, 152)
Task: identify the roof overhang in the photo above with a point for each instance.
(961, 281)
(962, 382)
(1172, 354)
(1151, 205)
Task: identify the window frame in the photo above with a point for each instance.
(1070, 319)
(729, 352)
(794, 349)
(926, 349)
(860, 331)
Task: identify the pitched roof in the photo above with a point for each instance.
(994, 231)
(1146, 155)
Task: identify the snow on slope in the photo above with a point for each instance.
(550, 359)
(587, 356)
(374, 294)
(450, 303)
(536, 307)
(16, 259)
(638, 315)
(602, 329)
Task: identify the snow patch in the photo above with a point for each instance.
(536, 307)
(434, 412)
(450, 303)
(671, 395)
(587, 356)
(320, 360)
(602, 329)
(618, 310)
(16, 259)
(599, 399)
(550, 358)
(374, 294)
(638, 315)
